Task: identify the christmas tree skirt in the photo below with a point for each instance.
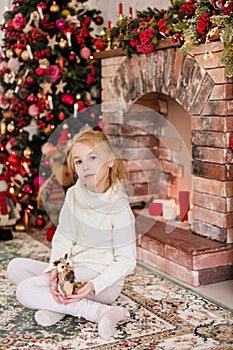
(163, 315)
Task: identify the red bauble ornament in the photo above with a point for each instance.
(39, 71)
(10, 25)
(61, 116)
(85, 52)
(68, 99)
(100, 44)
(30, 80)
(40, 222)
(92, 115)
(72, 57)
(98, 20)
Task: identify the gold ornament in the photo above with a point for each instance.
(3, 127)
(9, 53)
(62, 43)
(27, 152)
(48, 129)
(20, 226)
(6, 114)
(54, 8)
(11, 126)
(25, 55)
(65, 13)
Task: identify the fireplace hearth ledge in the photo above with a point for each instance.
(182, 254)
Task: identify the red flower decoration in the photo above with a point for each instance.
(146, 35)
(134, 42)
(53, 72)
(188, 8)
(203, 23)
(227, 8)
(146, 49)
(19, 22)
(162, 27)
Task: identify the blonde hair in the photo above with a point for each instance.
(92, 138)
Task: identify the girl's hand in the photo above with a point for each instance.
(54, 287)
(81, 293)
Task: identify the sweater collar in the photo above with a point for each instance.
(87, 199)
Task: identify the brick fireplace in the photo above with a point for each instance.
(142, 100)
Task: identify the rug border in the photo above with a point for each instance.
(182, 285)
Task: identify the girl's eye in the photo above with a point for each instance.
(92, 157)
(78, 162)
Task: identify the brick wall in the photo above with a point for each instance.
(200, 86)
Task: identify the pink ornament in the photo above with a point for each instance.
(42, 5)
(100, 124)
(46, 163)
(68, 99)
(60, 23)
(33, 110)
(38, 181)
(85, 52)
(31, 98)
(27, 189)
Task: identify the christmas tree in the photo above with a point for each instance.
(47, 77)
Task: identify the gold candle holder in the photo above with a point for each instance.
(109, 47)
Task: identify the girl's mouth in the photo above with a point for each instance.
(88, 175)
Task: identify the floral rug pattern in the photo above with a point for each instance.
(163, 315)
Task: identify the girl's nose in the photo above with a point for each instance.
(85, 165)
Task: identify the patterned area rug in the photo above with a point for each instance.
(163, 315)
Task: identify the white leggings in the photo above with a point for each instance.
(33, 289)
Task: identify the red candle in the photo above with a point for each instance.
(120, 9)
(109, 24)
(155, 209)
(130, 12)
(184, 205)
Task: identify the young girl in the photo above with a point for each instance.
(96, 229)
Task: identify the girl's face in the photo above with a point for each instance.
(91, 165)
